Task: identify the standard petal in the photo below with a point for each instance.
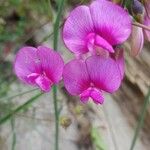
(51, 62)
(77, 26)
(26, 63)
(110, 21)
(76, 78)
(104, 73)
(137, 40)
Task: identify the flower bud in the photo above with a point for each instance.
(137, 40)
(137, 7)
(65, 121)
(79, 110)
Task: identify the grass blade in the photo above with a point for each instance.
(60, 4)
(18, 109)
(13, 133)
(20, 94)
(141, 120)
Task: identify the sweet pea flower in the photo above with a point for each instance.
(39, 66)
(96, 28)
(89, 78)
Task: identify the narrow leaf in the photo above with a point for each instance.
(20, 108)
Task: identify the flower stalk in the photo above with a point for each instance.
(141, 26)
(55, 100)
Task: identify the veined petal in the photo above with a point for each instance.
(76, 78)
(137, 40)
(77, 26)
(51, 62)
(110, 21)
(26, 63)
(104, 73)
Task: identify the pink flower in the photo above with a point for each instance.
(95, 31)
(39, 66)
(96, 28)
(91, 77)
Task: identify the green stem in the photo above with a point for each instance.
(56, 117)
(56, 24)
(141, 120)
(55, 46)
(14, 133)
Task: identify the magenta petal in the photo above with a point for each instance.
(104, 73)
(44, 83)
(31, 77)
(111, 21)
(97, 96)
(27, 62)
(119, 59)
(94, 93)
(77, 26)
(94, 41)
(75, 75)
(51, 62)
(121, 63)
(84, 96)
(99, 41)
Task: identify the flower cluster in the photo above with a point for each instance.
(94, 33)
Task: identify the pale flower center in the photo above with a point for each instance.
(98, 45)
